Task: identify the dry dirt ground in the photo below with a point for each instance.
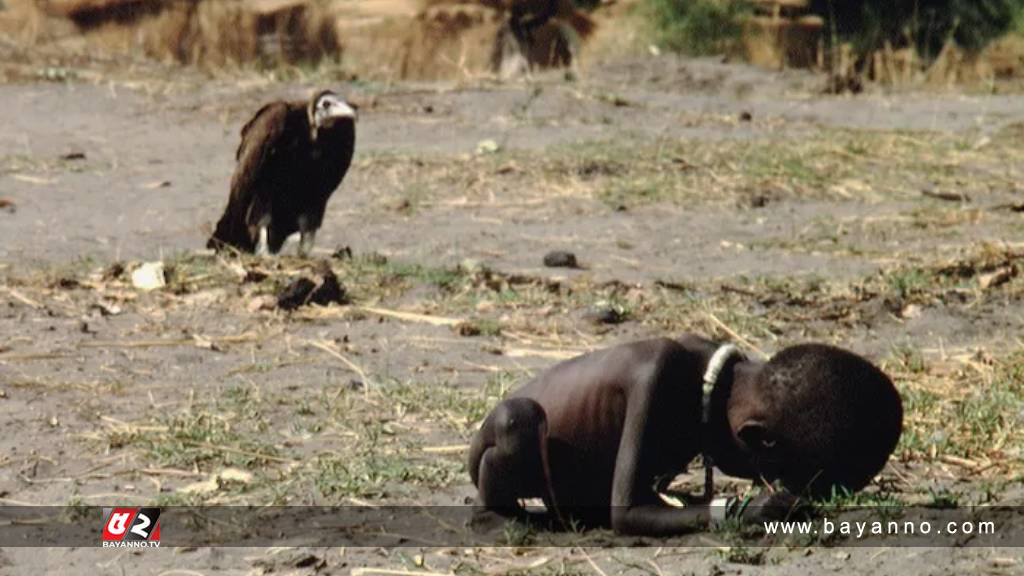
(888, 223)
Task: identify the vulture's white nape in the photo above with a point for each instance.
(330, 106)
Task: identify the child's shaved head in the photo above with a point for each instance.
(831, 419)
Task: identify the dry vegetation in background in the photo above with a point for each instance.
(453, 39)
(395, 39)
(213, 34)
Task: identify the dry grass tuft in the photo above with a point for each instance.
(207, 32)
(447, 41)
(389, 39)
(1001, 61)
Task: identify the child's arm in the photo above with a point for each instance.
(636, 508)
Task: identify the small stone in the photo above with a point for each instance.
(342, 253)
(746, 116)
(560, 259)
(310, 561)
(910, 311)
(468, 329)
(604, 314)
(996, 277)
(3, 394)
(254, 276)
(760, 200)
(106, 309)
(113, 272)
(471, 266)
(376, 258)
(235, 475)
(263, 302)
(149, 276)
(487, 147)
(207, 486)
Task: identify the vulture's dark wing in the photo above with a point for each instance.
(256, 120)
(262, 137)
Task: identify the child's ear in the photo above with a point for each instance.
(756, 436)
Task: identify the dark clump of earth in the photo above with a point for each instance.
(342, 253)
(603, 314)
(325, 290)
(560, 259)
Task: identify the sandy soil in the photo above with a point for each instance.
(80, 383)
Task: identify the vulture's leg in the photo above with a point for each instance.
(306, 240)
(307, 236)
(263, 243)
(262, 246)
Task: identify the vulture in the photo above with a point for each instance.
(292, 157)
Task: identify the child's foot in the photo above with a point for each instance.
(485, 520)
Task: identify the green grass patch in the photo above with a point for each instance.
(459, 409)
(978, 424)
(698, 26)
(371, 474)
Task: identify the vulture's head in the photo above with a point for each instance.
(328, 108)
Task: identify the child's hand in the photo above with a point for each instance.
(773, 505)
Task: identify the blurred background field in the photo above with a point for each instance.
(892, 42)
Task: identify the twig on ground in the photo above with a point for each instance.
(451, 449)
(412, 316)
(248, 337)
(333, 351)
(392, 572)
(259, 455)
(24, 299)
(592, 563)
(551, 354)
(736, 336)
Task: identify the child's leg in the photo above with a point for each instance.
(507, 459)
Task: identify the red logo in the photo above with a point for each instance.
(131, 527)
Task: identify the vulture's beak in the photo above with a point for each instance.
(342, 110)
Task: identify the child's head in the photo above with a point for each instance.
(824, 417)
